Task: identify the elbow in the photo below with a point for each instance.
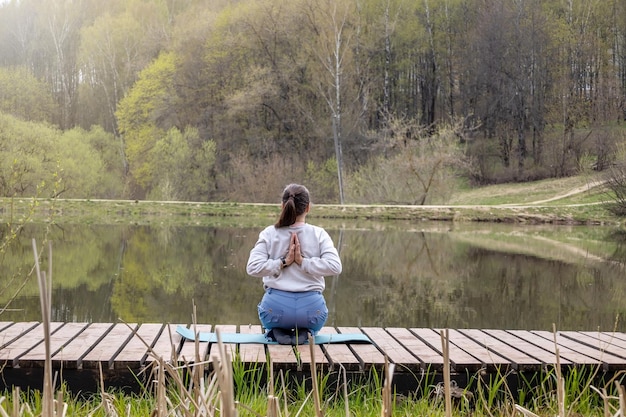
(337, 268)
(252, 270)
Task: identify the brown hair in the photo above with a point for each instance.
(295, 202)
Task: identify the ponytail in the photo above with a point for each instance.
(295, 202)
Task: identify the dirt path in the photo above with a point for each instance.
(572, 192)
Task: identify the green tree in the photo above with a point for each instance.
(256, 74)
(25, 97)
(182, 161)
(38, 160)
(109, 57)
(122, 41)
(258, 101)
(27, 157)
(90, 163)
(144, 116)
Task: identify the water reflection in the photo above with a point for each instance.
(395, 274)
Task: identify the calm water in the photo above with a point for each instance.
(395, 274)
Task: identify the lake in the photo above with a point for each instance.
(396, 274)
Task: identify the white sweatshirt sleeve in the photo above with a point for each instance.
(327, 262)
(260, 262)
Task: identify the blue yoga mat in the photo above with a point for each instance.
(259, 338)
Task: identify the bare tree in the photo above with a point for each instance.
(429, 74)
(507, 85)
(334, 53)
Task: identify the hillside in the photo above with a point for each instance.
(583, 189)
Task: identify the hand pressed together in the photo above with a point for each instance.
(294, 254)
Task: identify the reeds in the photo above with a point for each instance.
(50, 406)
(265, 394)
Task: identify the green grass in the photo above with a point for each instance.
(525, 193)
(486, 395)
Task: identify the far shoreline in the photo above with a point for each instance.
(181, 212)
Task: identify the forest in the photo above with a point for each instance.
(364, 101)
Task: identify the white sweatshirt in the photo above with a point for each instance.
(320, 258)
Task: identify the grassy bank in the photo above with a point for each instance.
(576, 200)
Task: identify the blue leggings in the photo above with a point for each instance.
(293, 310)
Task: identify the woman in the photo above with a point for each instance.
(293, 257)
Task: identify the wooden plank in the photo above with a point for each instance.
(591, 339)
(104, 352)
(489, 359)
(616, 335)
(80, 345)
(321, 361)
(339, 354)
(252, 353)
(609, 337)
(4, 325)
(282, 356)
(606, 341)
(9, 334)
(134, 352)
(60, 338)
(542, 355)
(518, 359)
(396, 353)
(547, 343)
(594, 354)
(166, 346)
(229, 348)
(26, 341)
(188, 350)
(429, 358)
(612, 361)
(369, 356)
(459, 358)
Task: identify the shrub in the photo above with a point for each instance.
(616, 184)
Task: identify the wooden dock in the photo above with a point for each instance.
(80, 351)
